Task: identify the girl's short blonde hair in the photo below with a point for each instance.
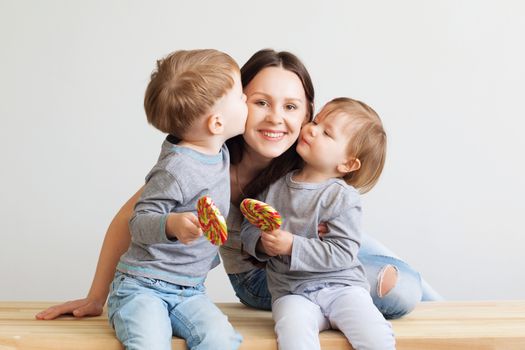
(367, 141)
(185, 85)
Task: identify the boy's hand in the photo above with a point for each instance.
(183, 226)
(277, 242)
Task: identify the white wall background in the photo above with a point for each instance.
(447, 77)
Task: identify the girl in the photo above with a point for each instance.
(319, 283)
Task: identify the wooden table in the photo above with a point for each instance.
(479, 325)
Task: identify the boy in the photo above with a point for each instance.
(196, 97)
(317, 284)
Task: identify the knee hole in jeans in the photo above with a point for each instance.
(386, 280)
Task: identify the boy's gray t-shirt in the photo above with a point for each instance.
(314, 262)
(180, 177)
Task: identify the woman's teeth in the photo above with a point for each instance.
(274, 135)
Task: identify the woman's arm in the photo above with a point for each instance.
(116, 242)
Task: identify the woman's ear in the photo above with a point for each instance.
(349, 166)
(215, 124)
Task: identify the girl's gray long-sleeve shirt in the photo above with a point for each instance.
(314, 262)
(180, 177)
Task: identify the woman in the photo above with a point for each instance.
(280, 98)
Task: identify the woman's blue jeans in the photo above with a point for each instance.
(251, 287)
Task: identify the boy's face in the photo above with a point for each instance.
(323, 143)
(232, 106)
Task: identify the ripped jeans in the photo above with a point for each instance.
(251, 287)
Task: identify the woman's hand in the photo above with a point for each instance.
(78, 308)
(277, 242)
(116, 242)
(322, 229)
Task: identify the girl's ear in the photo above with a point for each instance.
(349, 166)
(215, 124)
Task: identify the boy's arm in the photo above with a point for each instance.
(339, 247)
(153, 222)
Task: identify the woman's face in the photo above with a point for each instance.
(277, 108)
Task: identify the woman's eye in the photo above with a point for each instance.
(261, 103)
(291, 107)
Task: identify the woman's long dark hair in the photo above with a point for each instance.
(289, 160)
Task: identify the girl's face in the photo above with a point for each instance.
(277, 108)
(323, 143)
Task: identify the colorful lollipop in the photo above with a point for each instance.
(261, 214)
(212, 222)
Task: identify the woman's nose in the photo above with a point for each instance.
(274, 116)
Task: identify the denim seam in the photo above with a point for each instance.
(116, 284)
(242, 291)
(258, 297)
(125, 328)
(251, 291)
(185, 322)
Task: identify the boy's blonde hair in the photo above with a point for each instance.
(185, 85)
(367, 141)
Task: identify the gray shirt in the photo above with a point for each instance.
(234, 259)
(314, 262)
(180, 177)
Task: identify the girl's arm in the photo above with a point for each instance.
(116, 242)
(338, 248)
(251, 241)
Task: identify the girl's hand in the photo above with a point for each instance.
(277, 242)
(322, 229)
(183, 226)
(78, 308)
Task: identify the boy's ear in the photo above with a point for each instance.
(215, 124)
(351, 165)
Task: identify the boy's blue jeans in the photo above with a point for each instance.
(252, 289)
(146, 313)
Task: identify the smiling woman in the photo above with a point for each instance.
(276, 111)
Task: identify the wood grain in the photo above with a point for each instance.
(479, 325)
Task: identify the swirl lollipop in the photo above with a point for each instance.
(261, 214)
(212, 222)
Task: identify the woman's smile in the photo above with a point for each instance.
(272, 135)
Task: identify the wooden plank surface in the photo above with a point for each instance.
(479, 325)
